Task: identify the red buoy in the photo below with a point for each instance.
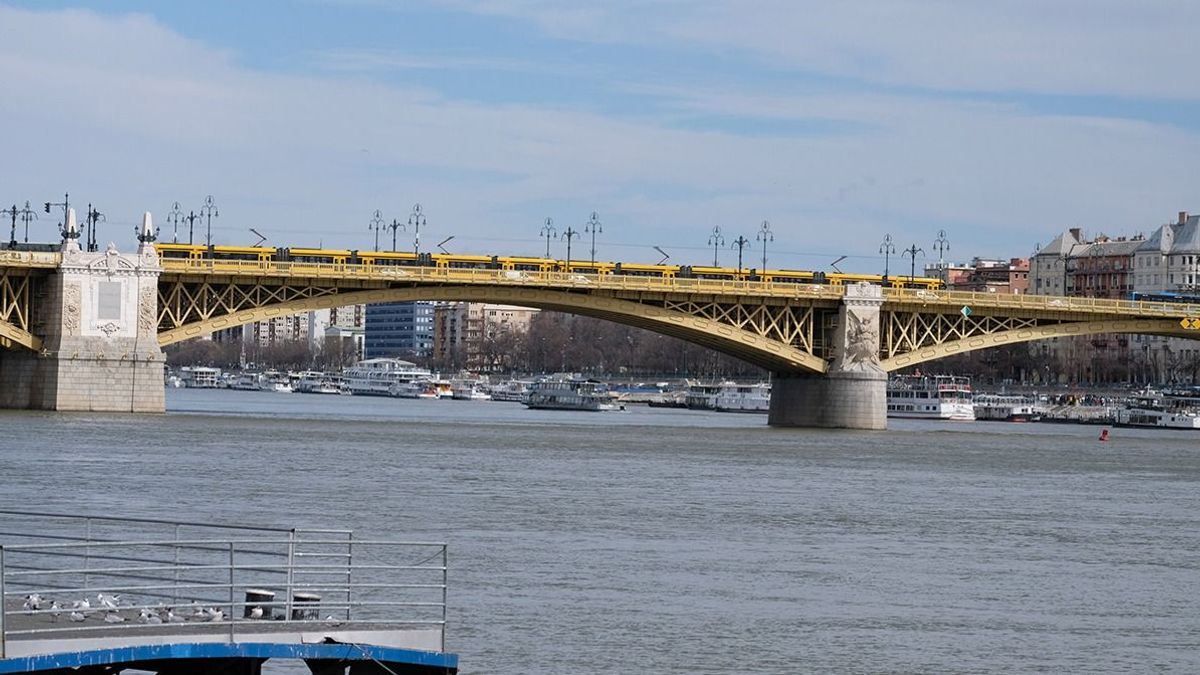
(1104, 434)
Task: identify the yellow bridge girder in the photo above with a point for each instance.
(931, 352)
(745, 344)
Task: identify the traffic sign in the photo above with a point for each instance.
(965, 311)
(1190, 324)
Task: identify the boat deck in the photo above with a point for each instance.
(116, 593)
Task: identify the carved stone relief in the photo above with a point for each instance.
(71, 309)
(146, 312)
(862, 343)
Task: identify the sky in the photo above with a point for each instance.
(999, 123)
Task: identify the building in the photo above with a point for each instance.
(399, 329)
(1168, 261)
(984, 275)
(309, 327)
(468, 334)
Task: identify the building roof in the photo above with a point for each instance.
(1112, 247)
(1160, 241)
(1187, 236)
(1062, 244)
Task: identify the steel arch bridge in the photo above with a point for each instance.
(783, 327)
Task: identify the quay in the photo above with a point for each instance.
(97, 594)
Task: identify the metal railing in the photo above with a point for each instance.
(1050, 303)
(57, 585)
(496, 277)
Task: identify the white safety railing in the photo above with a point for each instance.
(56, 585)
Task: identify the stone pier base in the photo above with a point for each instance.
(96, 377)
(837, 400)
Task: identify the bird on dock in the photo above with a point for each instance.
(113, 617)
(33, 602)
(199, 612)
(256, 612)
(55, 610)
(108, 601)
(83, 606)
(76, 616)
(216, 615)
(147, 615)
(172, 617)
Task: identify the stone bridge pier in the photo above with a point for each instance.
(98, 322)
(853, 393)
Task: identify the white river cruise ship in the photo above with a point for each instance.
(376, 377)
(934, 397)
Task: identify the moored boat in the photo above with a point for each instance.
(1002, 408)
(376, 377)
(936, 397)
(1152, 409)
(571, 394)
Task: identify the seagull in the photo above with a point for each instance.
(83, 606)
(199, 612)
(172, 617)
(33, 603)
(76, 616)
(108, 601)
(148, 616)
(216, 615)
(55, 610)
(113, 617)
(256, 612)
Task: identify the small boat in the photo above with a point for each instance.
(746, 398)
(571, 394)
(513, 391)
(468, 390)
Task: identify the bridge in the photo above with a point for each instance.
(71, 321)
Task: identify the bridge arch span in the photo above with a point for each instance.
(767, 353)
(1161, 327)
(12, 335)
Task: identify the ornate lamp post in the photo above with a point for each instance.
(764, 235)
(393, 226)
(570, 234)
(887, 248)
(548, 233)
(740, 244)
(377, 224)
(715, 239)
(593, 226)
(208, 211)
(416, 219)
(912, 252)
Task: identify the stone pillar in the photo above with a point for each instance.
(853, 393)
(99, 326)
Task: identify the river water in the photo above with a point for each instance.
(674, 541)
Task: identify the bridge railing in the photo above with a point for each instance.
(493, 277)
(253, 580)
(41, 259)
(959, 299)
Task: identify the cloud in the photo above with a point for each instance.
(128, 113)
(1080, 47)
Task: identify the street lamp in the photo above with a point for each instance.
(570, 234)
(393, 226)
(208, 211)
(593, 226)
(548, 233)
(174, 217)
(941, 245)
(377, 224)
(715, 240)
(912, 252)
(416, 219)
(887, 248)
(28, 214)
(764, 235)
(739, 243)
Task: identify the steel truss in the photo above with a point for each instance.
(908, 331)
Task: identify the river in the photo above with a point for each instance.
(673, 541)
